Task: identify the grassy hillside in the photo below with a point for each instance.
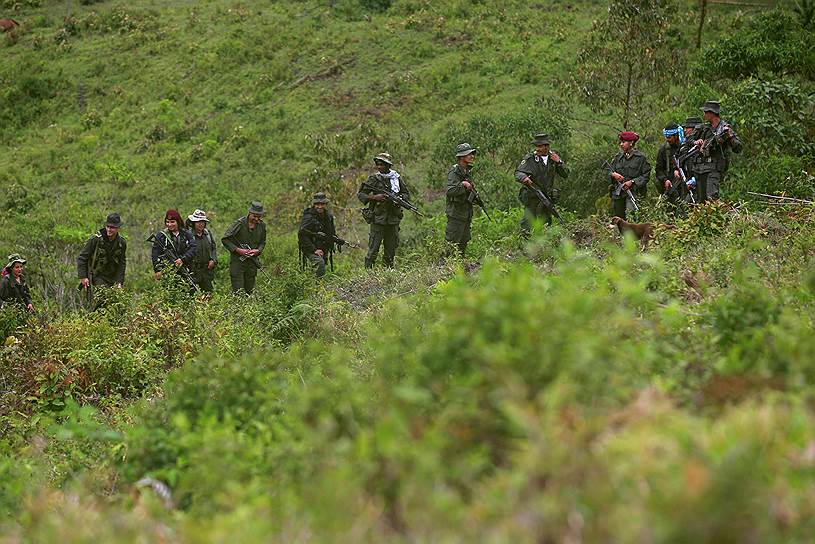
(569, 388)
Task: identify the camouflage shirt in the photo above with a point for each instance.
(103, 259)
(458, 206)
(634, 167)
(542, 176)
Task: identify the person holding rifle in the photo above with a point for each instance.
(245, 240)
(317, 235)
(206, 258)
(173, 247)
(103, 260)
(713, 146)
(382, 213)
(537, 170)
(628, 169)
(459, 208)
(668, 179)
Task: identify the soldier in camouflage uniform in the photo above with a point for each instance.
(715, 141)
(317, 234)
(538, 168)
(206, 258)
(383, 215)
(245, 240)
(103, 259)
(13, 287)
(459, 209)
(668, 180)
(629, 171)
(691, 127)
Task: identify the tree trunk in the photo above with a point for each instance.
(628, 97)
(702, 14)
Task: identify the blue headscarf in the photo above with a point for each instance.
(668, 132)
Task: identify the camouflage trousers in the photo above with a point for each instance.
(243, 275)
(707, 186)
(621, 207)
(389, 234)
(317, 264)
(530, 214)
(458, 232)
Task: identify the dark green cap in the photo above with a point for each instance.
(541, 139)
(712, 106)
(692, 122)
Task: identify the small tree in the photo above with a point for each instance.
(626, 55)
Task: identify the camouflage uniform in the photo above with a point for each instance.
(633, 167)
(103, 261)
(542, 175)
(459, 209)
(711, 164)
(204, 252)
(385, 216)
(664, 169)
(12, 292)
(316, 231)
(243, 273)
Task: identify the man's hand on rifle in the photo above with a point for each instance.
(699, 143)
(467, 185)
(178, 263)
(527, 181)
(554, 156)
(85, 282)
(210, 264)
(378, 198)
(617, 176)
(318, 252)
(668, 184)
(628, 184)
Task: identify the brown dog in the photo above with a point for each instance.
(643, 232)
(8, 24)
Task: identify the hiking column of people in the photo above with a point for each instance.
(690, 168)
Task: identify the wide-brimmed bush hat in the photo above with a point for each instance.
(462, 150)
(198, 215)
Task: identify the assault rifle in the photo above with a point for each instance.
(253, 260)
(394, 198)
(720, 135)
(183, 271)
(619, 188)
(474, 198)
(688, 182)
(546, 202)
(334, 238)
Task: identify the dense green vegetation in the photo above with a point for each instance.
(569, 388)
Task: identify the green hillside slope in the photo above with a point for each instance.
(571, 387)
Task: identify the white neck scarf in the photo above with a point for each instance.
(544, 158)
(393, 176)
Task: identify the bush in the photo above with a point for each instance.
(772, 43)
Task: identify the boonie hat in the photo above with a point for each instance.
(712, 106)
(256, 208)
(384, 157)
(462, 150)
(319, 198)
(198, 215)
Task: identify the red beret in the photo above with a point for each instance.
(629, 136)
(173, 214)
